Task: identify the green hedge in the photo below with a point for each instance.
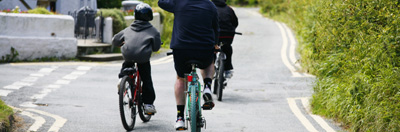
(117, 16)
(353, 47)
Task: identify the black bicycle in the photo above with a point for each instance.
(219, 78)
(130, 99)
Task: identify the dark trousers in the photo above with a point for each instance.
(145, 74)
(227, 49)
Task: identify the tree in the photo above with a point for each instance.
(109, 3)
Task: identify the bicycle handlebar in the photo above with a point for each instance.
(169, 53)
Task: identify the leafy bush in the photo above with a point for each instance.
(109, 3)
(40, 10)
(353, 47)
(117, 16)
(10, 57)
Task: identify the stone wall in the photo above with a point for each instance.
(36, 36)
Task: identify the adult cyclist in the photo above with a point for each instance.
(228, 23)
(194, 36)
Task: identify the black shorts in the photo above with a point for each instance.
(182, 56)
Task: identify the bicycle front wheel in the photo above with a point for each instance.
(127, 107)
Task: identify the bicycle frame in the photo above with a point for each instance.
(138, 87)
(193, 87)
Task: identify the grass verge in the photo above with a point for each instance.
(5, 113)
(353, 47)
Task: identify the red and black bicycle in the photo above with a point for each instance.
(130, 98)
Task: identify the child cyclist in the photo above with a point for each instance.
(138, 42)
(228, 22)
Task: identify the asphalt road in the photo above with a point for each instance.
(267, 92)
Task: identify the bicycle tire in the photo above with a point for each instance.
(126, 106)
(143, 116)
(194, 111)
(216, 80)
(221, 78)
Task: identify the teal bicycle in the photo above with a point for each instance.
(193, 115)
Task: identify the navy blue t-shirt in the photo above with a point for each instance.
(195, 23)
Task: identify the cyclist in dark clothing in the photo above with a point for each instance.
(228, 22)
(194, 36)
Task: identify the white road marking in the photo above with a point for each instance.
(300, 116)
(62, 82)
(318, 119)
(36, 75)
(84, 68)
(78, 73)
(284, 52)
(71, 77)
(28, 104)
(292, 49)
(162, 60)
(13, 87)
(46, 70)
(39, 121)
(58, 123)
(22, 83)
(41, 94)
(53, 86)
(5, 92)
(30, 79)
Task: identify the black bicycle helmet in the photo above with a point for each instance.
(143, 12)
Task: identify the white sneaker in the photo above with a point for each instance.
(119, 83)
(228, 74)
(180, 124)
(149, 108)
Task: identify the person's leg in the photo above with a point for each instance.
(148, 90)
(227, 49)
(180, 96)
(179, 87)
(207, 73)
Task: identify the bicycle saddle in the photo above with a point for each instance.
(198, 63)
(128, 71)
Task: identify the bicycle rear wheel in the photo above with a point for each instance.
(145, 117)
(194, 111)
(127, 107)
(220, 78)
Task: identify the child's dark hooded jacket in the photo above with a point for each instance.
(228, 20)
(141, 39)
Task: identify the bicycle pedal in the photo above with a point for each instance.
(181, 129)
(149, 113)
(208, 106)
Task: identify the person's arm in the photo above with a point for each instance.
(234, 19)
(118, 39)
(216, 28)
(167, 5)
(157, 42)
